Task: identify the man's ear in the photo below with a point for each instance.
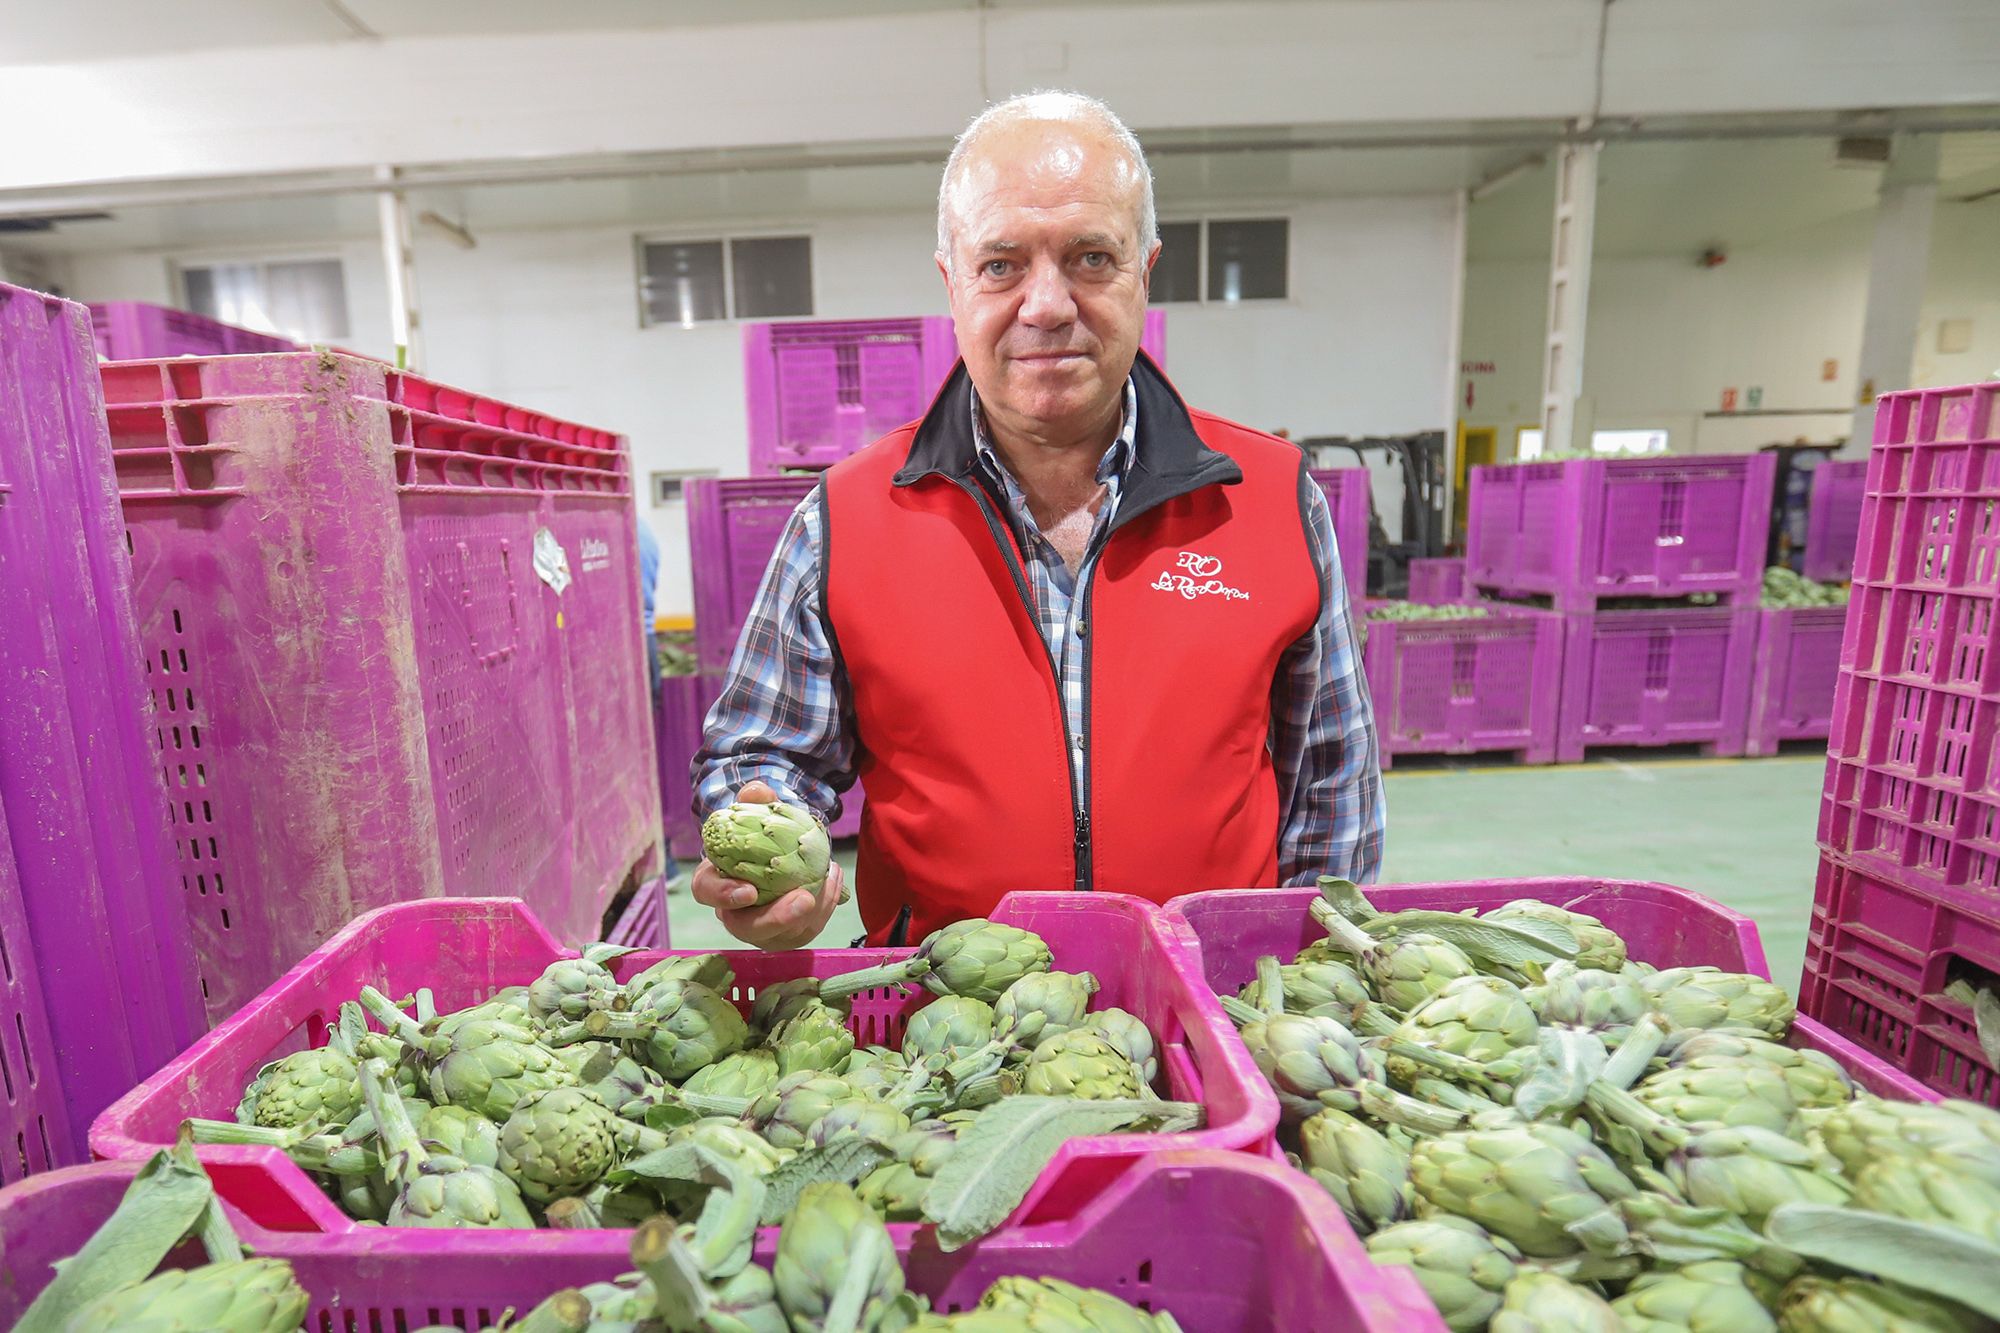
(1146, 273)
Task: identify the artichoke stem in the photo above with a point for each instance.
(568, 1311)
(834, 989)
(394, 1021)
(1385, 1103)
(1660, 1134)
(1241, 1012)
(1270, 985)
(401, 1148)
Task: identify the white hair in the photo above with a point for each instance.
(1047, 105)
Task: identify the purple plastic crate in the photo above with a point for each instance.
(1879, 955)
(1348, 497)
(1621, 527)
(1798, 664)
(1460, 686)
(733, 529)
(1261, 1249)
(135, 331)
(391, 637)
(98, 984)
(818, 390)
(1662, 925)
(644, 924)
(465, 949)
(1833, 519)
(1913, 786)
(1667, 677)
(1438, 582)
(684, 703)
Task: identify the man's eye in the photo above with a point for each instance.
(996, 268)
(1096, 259)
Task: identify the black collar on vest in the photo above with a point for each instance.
(1169, 459)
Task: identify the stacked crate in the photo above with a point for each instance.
(1659, 532)
(391, 634)
(136, 331)
(1466, 686)
(1908, 899)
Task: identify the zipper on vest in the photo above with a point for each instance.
(1079, 812)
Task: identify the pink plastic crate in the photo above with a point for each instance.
(1661, 925)
(1460, 686)
(97, 973)
(1667, 677)
(1833, 519)
(818, 390)
(364, 689)
(1798, 663)
(465, 949)
(1262, 1249)
(1879, 955)
(1913, 787)
(1438, 582)
(135, 331)
(1349, 498)
(733, 528)
(1621, 527)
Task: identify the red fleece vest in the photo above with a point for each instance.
(956, 701)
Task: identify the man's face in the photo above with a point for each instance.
(1048, 280)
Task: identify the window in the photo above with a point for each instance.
(748, 277)
(301, 299)
(1223, 261)
(1619, 443)
(667, 487)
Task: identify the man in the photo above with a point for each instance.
(1068, 633)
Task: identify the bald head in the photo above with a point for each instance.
(1050, 136)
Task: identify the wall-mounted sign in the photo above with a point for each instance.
(1729, 400)
(1753, 397)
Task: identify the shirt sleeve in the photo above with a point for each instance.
(785, 714)
(1323, 734)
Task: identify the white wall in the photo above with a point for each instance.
(549, 318)
(1665, 337)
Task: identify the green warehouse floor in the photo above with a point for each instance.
(1739, 830)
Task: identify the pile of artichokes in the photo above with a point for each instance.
(1398, 610)
(583, 1100)
(1552, 1135)
(1786, 591)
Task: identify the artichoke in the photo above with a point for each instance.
(1962, 1134)
(815, 1037)
(1598, 946)
(457, 1132)
(780, 1000)
(1926, 1189)
(677, 1027)
(571, 988)
(1081, 1064)
(1321, 986)
(1404, 969)
(1461, 1267)
(1314, 1063)
(620, 1082)
(1605, 1003)
(957, 1023)
(1548, 1189)
(828, 1234)
(484, 1064)
(1544, 1303)
(1484, 1019)
(734, 1141)
(896, 1189)
(242, 1296)
(877, 1072)
(1367, 1175)
(1707, 997)
(1710, 1297)
(1042, 1005)
(750, 1073)
(436, 1190)
(746, 1303)
(1736, 1092)
(773, 847)
(1051, 1304)
(787, 1113)
(1131, 1036)
(1814, 1078)
(305, 1090)
(980, 958)
(563, 1141)
(1856, 1305)
(859, 1117)
(708, 969)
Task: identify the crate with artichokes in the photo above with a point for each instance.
(584, 1100)
(1553, 1135)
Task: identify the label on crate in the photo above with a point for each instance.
(595, 554)
(551, 561)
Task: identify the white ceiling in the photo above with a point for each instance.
(1654, 198)
(62, 31)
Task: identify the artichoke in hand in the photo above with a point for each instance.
(771, 846)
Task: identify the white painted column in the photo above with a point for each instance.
(1565, 424)
(1898, 263)
(1460, 222)
(399, 263)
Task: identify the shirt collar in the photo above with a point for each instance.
(1110, 468)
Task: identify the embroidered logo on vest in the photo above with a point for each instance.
(1199, 576)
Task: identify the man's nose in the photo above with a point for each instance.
(1046, 302)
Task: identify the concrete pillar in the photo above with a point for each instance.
(399, 263)
(1563, 425)
(1897, 265)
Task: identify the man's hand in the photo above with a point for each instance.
(792, 922)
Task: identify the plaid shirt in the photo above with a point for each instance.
(786, 713)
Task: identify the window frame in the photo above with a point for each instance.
(1202, 222)
(726, 237)
(178, 266)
